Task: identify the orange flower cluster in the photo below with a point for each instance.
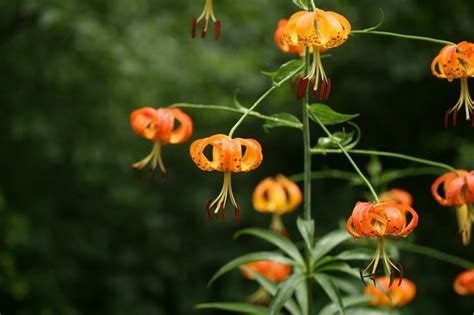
(458, 192)
(380, 220)
(227, 157)
(158, 125)
(456, 62)
(396, 195)
(278, 196)
(316, 29)
(207, 13)
(390, 295)
(464, 283)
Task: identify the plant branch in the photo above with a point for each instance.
(405, 36)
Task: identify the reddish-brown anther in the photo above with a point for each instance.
(206, 15)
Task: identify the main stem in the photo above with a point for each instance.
(307, 176)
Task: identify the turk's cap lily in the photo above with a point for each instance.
(381, 219)
(382, 293)
(464, 283)
(162, 126)
(458, 188)
(228, 156)
(456, 62)
(277, 195)
(269, 269)
(397, 195)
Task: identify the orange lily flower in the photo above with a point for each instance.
(281, 42)
(397, 195)
(277, 196)
(316, 29)
(227, 157)
(458, 192)
(464, 283)
(157, 125)
(270, 270)
(390, 295)
(207, 13)
(380, 220)
(456, 62)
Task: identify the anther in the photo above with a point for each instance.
(361, 274)
(455, 117)
(208, 205)
(328, 89)
(322, 93)
(446, 119)
(237, 214)
(193, 28)
(204, 29)
(392, 277)
(400, 267)
(301, 86)
(223, 214)
(217, 30)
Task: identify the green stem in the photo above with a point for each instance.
(344, 151)
(307, 176)
(389, 154)
(434, 253)
(250, 109)
(242, 110)
(422, 38)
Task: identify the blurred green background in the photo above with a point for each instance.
(81, 233)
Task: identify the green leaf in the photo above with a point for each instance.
(328, 242)
(341, 137)
(306, 228)
(301, 294)
(271, 288)
(281, 120)
(234, 307)
(286, 71)
(284, 292)
(331, 290)
(276, 239)
(301, 3)
(340, 267)
(356, 254)
(327, 116)
(350, 301)
(247, 258)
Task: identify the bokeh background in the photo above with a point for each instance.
(81, 233)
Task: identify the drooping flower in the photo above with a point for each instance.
(271, 270)
(464, 283)
(228, 156)
(281, 42)
(158, 125)
(458, 192)
(316, 29)
(397, 195)
(381, 220)
(207, 13)
(383, 293)
(278, 196)
(456, 62)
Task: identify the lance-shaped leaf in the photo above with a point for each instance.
(327, 116)
(284, 292)
(339, 267)
(331, 290)
(276, 239)
(271, 287)
(242, 308)
(282, 120)
(355, 254)
(328, 242)
(306, 228)
(248, 258)
(333, 309)
(286, 71)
